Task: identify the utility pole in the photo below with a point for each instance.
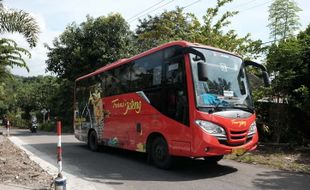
(44, 112)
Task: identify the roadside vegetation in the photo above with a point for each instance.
(284, 157)
(283, 110)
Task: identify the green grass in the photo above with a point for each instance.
(284, 158)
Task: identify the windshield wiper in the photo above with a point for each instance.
(214, 108)
(244, 107)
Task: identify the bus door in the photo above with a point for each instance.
(175, 96)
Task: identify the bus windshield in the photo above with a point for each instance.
(226, 85)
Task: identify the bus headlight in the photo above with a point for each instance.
(252, 129)
(212, 129)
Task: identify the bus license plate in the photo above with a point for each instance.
(238, 151)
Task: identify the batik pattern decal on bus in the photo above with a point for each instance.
(114, 142)
(127, 105)
(98, 106)
(141, 147)
(94, 99)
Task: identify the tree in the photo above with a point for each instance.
(283, 19)
(27, 96)
(290, 61)
(83, 48)
(36, 93)
(11, 54)
(19, 21)
(168, 26)
(176, 25)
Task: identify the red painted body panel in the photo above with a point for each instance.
(123, 119)
(190, 141)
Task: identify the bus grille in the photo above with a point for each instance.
(236, 138)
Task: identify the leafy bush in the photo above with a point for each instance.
(17, 121)
(51, 127)
(48, 126)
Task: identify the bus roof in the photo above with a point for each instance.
(124, 61)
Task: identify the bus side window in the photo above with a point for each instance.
(124, 76)
(146, 72)
(101, 80)
(146, 76)
(112, 83)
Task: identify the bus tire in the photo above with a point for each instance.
(93, 141)
(160, 153)
(213, 159)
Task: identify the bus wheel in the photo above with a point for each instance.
(213, 159)
(92, 141)
(160, 153)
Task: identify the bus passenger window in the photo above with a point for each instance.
(146, 72)
(124, 76)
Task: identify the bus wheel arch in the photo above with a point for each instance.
(92, 140)
(158, 151)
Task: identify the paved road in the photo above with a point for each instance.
(129, 171)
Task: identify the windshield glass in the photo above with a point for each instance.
(227, 85)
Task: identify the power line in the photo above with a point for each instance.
(193, 3)
(152, 11)
(146, 9)
(259, 5)
(243, 4)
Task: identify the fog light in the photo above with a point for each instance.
(206, 149)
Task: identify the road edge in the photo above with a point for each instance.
(73, 182)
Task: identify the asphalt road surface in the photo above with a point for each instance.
(127, 170)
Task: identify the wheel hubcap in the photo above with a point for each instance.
(160, 152)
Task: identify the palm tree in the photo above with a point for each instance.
(11, 54)
(19, 21)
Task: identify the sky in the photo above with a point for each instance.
(54, 15)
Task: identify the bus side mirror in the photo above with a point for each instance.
(202, 71)
(195, 52)
(266, 79)
(262, 67)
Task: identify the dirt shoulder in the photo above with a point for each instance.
(286, 158)
(17, 168)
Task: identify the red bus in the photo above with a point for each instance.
(178, 99)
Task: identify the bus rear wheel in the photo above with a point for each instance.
(92, 141)
(160, 153)
(213, 159)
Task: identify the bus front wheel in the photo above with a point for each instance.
(160, 153)
(92, 141)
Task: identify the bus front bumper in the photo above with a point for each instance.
(211, 146)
